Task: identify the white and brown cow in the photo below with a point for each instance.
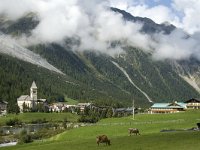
(133, 131)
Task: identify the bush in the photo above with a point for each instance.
(13, 122)
(46, 133)
(64, 123)
(1, 139)
(24, 137)
(39, 121)
(1, 132)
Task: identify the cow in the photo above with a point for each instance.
(102, 139)
(198, 125)
(133, 130)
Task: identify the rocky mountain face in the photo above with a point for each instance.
(189, 71)
(88, 76)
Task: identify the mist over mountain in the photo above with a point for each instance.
(104, 54)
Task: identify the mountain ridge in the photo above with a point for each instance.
(96, 77)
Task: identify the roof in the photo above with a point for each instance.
(33, 85)
(84, 104)
(41, 100)
(169, 105)
(124, 110)
(192, 100)
(24, 98)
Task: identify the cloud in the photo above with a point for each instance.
(97, 27)
(14, 9)
(158, 13)
(93, 23)
(181, 13)
(177, 45)
(191, 11)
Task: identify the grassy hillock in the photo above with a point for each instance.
(117, 130)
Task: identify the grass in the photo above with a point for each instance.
(151, 138)
(28, 117)
(70, 101)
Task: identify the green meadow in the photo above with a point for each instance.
(150, 125)
(51, 117)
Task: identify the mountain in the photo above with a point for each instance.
(149, 26)
(61, 72)
(189, 71)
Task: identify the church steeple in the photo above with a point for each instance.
(33, 91)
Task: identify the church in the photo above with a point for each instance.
(30, 101)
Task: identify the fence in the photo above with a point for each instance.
(144, 122)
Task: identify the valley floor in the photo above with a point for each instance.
(84, 138)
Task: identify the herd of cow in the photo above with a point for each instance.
(104, 138)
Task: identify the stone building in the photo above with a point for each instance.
(30, 101)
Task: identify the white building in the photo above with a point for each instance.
(29, 101)
(59, 107)
(82, 106)
(193, 103)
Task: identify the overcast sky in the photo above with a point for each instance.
(91, 22)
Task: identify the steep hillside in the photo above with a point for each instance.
(190, 71)
(16, 77)
(90, 76)
(130, 75)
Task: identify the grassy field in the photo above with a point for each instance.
(151, 138)
(28, 117)
(70, 101)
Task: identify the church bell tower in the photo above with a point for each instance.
(33, 91)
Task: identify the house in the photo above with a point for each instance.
(193, 103)
(168, 107)
(60, 107)
(82, 106)
(57, 107)
(30, 101)
(3, 106)
(122, 111)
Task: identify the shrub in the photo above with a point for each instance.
(24, 137)
(45, 133)
(1, 132)
(39, 121)
(13, 122)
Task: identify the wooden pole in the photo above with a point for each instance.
(133, 110)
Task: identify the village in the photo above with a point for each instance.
(30, 102)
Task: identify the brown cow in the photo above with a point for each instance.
(102, 139)
(133, 130)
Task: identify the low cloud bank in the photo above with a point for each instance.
(96, 28)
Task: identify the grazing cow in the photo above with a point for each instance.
(102, 139)
(133, 130)
(198, 125)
